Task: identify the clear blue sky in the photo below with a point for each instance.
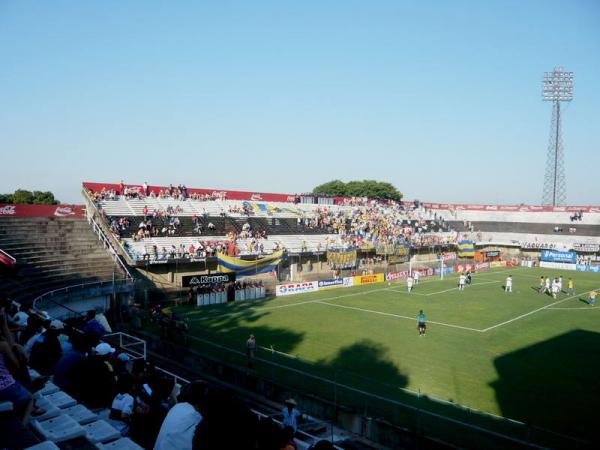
(441, 98)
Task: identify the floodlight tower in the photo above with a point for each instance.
(557, 88)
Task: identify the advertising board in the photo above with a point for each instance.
(368, 279)
(296, 288)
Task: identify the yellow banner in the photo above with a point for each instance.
(497, 264)
(368, 279)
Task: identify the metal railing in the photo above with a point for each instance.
(9, 257)
(115, 246)
(47, 296)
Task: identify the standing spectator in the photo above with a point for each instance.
(250, 349)
(177, 430)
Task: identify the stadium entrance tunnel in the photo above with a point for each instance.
(554, 384)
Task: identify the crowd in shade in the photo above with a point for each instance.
(131, 394)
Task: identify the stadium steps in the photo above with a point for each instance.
(51, 253)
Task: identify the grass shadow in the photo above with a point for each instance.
(553, 382)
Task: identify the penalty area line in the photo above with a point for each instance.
(485, 330)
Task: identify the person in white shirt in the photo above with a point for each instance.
(417, 275)
(547, 286)
(555, 289)
(178, 428)
(122, 405)
(508, 284)
(409, 283)
(560, 284)
(461, 282)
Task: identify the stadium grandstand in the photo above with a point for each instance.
(155, 286)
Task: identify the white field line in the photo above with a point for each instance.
(406, 292)
(583, 308)
(259, 309)
(398, 316)
(506, 322)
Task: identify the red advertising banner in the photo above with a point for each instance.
(464, 268)
(515, 208)
(9, 210)
(7, 260)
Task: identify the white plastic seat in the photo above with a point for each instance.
(61, 399)
(6, 406)
(51, 409)
(101, 431)
(49, 388)
(81, 414)
(58, 429)
(33, 373)
(121, 444)
(46, 445)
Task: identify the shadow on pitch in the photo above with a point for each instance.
(553, 384)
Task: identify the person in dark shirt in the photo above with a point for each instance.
(92, 327)
(66, 366)
(95, 378)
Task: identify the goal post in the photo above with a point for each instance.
(428, 267)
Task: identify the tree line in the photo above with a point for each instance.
(22, 196)
(365, 188)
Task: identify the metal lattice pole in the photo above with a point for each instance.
(557, 88)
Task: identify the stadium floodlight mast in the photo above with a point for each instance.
(557, 87)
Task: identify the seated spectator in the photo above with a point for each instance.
(10, 389)
(220, 410)
(95, 379)
(122, 405)
(46, 351)
(66, 367)
(149, 412)
(92, 326)
(177, 430)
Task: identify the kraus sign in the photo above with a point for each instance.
(214, 278)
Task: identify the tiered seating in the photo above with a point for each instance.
(51, 253)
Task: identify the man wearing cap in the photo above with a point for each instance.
(96, 380)
(290, 414)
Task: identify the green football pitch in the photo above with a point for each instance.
(521, 355)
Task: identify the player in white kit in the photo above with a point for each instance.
(508, 284)
(461, 282)
(409, 283)
(416, 275)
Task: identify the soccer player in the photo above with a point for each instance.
(541, 286)
(469, 277)
(547, 286)
(571, 287)
(421, 323)
(560, 284)
(416, 275)
(409, 283)
(508, 284)
(555, 289)
(461, 282)
(592, 299)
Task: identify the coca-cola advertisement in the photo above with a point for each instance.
(9, 210)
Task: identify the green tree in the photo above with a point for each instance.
(23, 196)
(335, 187)
(364, 188)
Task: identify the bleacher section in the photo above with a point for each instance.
(51, 253)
